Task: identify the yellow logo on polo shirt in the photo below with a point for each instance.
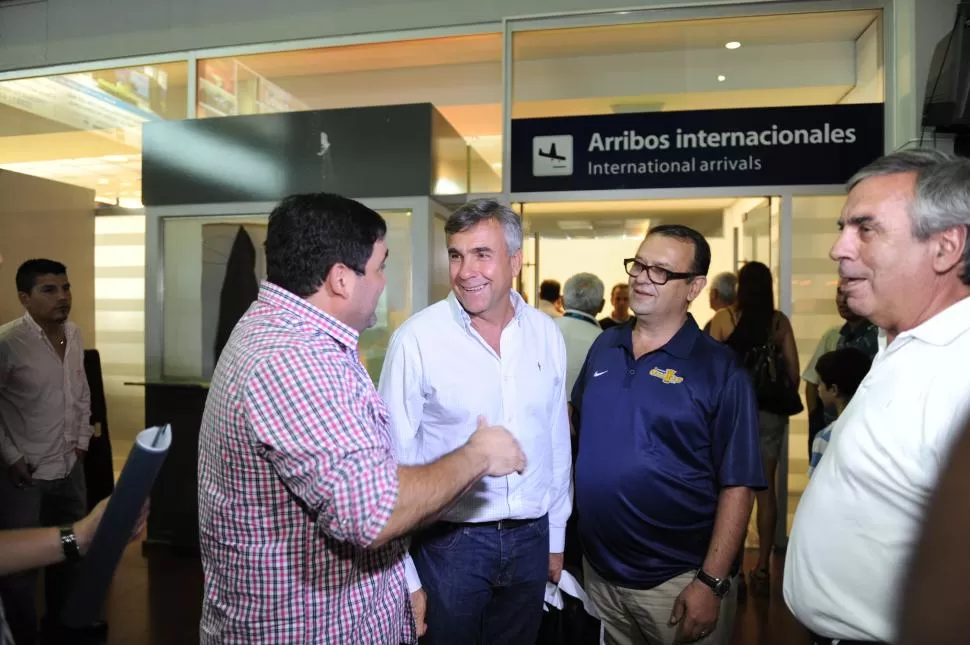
(667, 376)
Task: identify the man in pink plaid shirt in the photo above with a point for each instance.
(302, 505)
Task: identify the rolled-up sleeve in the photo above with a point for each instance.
(309, 426)
(737, 447)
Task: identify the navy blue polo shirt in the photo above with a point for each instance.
(659, 438)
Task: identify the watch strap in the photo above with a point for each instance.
(718, 586)
(72, 553)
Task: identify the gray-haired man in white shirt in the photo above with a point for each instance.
(582, 299)
(483, 355)
(904, 261)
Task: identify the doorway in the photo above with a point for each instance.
(565, 238)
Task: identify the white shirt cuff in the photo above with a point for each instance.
(557, 539)
(411, 573)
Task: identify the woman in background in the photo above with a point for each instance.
(750, 323)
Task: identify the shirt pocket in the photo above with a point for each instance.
(538, 384)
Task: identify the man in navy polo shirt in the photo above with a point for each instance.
(668, 459)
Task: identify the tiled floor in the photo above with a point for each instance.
(156, 599)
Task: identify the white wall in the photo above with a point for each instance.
(561, 258)
(119, 301)
(869, 79)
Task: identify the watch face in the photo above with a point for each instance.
(719, 587)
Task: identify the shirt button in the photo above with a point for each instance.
(632, 372)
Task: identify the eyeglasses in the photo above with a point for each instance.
(656, 275)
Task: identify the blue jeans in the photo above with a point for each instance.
(485, 584)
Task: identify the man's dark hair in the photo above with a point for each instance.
(309, 234)
(844, 368)
(618, 285)
(550, 290)
(702, 250)
(29, 271)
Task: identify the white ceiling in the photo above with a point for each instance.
(563, 43)
(692, 34)
(115, 178)
(623, 218)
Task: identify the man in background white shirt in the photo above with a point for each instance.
(45, 414)
(483, 355)
(904, 260)
(550, 298)
(582, 299)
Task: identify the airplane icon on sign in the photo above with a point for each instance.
(552, 154)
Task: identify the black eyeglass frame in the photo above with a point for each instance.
(665, 275)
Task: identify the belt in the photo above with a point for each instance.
(822, 640)
(500, 525)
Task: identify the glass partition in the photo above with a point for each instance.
(737, 62)
(460, 75)
(196, 252)
(85, 128)
(814, 281)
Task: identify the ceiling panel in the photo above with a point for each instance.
(692, 34)
(432, 52)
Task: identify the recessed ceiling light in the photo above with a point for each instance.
(732, 44)
(721, 78)
(103, 181)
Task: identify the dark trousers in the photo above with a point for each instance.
(485, 583)
(45, 503)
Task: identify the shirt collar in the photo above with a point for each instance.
(462, 318)
(850, 333)
(942, 329)
(279, 298)
(35, 327)
(31, 323)
(680, 344)
(581, 315)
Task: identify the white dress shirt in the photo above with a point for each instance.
(857, 522)
(45, 403)
(439, 375)
(579, 330)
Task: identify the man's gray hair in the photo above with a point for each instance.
(481, 210)
(942, 198)
(583, 292)
(725, 285)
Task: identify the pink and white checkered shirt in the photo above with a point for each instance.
(297, 476)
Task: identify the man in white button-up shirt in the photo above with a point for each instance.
(483, 355)
(45, 413)
(904, 259)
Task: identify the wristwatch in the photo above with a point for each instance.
(718, 586)
(72, 553)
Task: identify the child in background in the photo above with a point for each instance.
(839, 375)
